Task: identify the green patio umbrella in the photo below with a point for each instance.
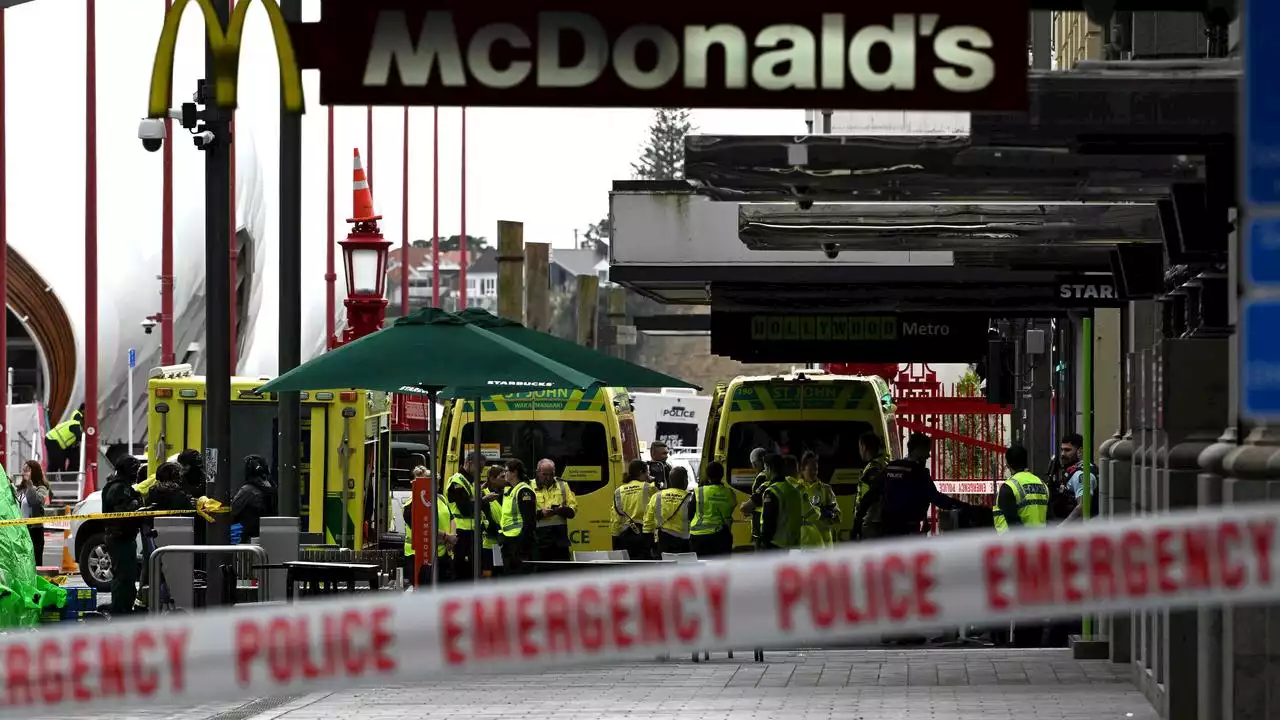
(609, 370)
(432, 352)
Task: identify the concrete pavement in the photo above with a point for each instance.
(927, 684)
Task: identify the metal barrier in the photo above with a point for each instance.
(388, 561)
(153, 592)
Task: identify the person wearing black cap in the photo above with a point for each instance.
(255, 499)
(121, 535)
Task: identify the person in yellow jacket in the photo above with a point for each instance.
(822, 514)
(491, 520)
(782, 509)
(626, 515)
(867, 500)
(1023, 500)
(666, 520)
(557, 505)
(711, 514)
(62, 444)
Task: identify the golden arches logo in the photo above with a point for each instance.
(226, 56)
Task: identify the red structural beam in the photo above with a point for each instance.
(949, 405)
(936, 433)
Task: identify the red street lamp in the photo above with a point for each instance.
(364, 252)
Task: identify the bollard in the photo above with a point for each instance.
(279, 537)
(178, 570)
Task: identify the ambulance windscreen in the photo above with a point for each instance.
(835, 442)
(580, 449)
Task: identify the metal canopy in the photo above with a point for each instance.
(953, 226)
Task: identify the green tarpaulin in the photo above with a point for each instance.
(22, 593)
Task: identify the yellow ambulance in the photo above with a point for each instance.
(792, 414)
(344, 436)
(590, 435)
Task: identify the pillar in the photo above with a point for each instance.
(588, 309)
(279, 536)
(617, 317)
(537, 286)
(511, 270)
(178, 568)
(1143, 324)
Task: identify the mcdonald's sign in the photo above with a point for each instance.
(226, 56)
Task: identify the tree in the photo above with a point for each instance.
(451, 243)
(662, 156)
(421, 243)
(596, 233)
(964, 461)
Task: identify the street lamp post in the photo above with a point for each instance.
(364, 253)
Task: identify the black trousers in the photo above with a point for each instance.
(124, 574)
(37, 542)
(514, 554)
(638, 545)
(553, 543)
(463, 563)
(715, 544)
(59, 460)
(671, 544)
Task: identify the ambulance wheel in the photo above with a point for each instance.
(95, 563)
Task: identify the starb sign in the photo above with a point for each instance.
(914, 54)
(840, 337)
(1087, 291)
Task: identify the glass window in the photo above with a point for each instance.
(582, 446)
(835, 442)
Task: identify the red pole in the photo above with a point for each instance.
(166, 242)
(90, 437)
(462, 238)
(231, 210)
(4, 270)
(330, 276)
(369, 146)
(404, 222)
(435, 207)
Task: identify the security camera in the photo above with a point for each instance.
(831, 250)
(151, 133)
(204, 139)
(148, 325)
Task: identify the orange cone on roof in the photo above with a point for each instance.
(361, 197)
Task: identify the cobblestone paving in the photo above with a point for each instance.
(927, 684)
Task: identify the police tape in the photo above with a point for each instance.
(780, 600)
(65, 519)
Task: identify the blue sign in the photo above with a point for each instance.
(1261, 147)
(1260, 359)
(1262, 251)
(133, 358)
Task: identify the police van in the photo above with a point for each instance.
(675, 416)
(806, 410)
(591, 436)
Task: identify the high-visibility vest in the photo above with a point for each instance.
(558, 494)
(670, 513)
(512, 520)
(493, 520)
(464, 521)
(630, 501)
(62, 434)
(757, 486)
(1033, 502)
(816, 532)
(790, 513)
(712, 509)
(442, 525)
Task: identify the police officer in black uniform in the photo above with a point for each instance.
(121, 535)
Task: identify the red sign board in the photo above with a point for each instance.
(909, 55)
(424, 523)
(409, 413)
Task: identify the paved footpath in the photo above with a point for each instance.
(927, 684)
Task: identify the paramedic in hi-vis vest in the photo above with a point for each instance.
(666, 519)
(491, 520)
(459, 492)
(782, 508)
(1023, 500)
(711, 527)
(519, 520)
(626, 516)
(822, 514)
(62, 444)
(556, 507)
(753, 506)
(445, 539)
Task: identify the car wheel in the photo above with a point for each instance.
(95, 563)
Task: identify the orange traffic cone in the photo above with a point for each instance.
(69, 564)
(361, 197)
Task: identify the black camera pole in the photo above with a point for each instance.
(290, 353)
(217, 289)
